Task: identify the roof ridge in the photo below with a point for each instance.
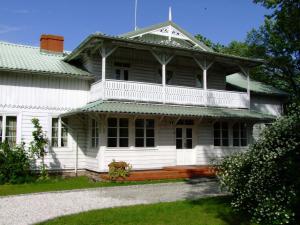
(19, 45)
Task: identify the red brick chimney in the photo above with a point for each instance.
(52, 43)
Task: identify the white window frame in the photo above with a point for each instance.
(122, 69)
(240, 134)
(118, 132)
(4, 116)
(59, 134)
(145, 134)
(221, 134)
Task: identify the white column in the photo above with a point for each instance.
(248, 89)
(103, 71)
(205, 79)
(163, 78)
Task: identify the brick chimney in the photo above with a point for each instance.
(52, 43)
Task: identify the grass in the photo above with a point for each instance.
(208, 211)
(60, 184)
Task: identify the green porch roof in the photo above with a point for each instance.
(22, 58)
(169, 110)
(239, 81)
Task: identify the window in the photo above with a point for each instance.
(11, 130)
(221, 134)
(144, 133)
(54, 139)
(117, 133)
(59, 133)
(121, 74)
(95, 134)
(239, 134)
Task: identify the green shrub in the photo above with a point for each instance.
(14, 164)
(118, 170)
(265, 181)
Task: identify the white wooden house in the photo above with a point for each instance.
(153, 97)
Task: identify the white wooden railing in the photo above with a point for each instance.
(146, 92)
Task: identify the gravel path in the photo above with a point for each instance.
(33, 208)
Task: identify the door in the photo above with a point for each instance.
(184, 146)
(121, 74)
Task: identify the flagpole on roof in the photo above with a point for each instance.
(135, 12)
(170, 13)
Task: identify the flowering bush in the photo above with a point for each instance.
(118, 170)
(265, 181)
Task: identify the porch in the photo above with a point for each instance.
(147, 92)
(171, 172)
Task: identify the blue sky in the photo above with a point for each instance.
(219, 20)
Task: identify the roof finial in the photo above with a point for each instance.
(135, 12)
(170, 13)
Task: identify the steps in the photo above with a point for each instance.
(172, 172)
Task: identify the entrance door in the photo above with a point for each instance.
(184, 146)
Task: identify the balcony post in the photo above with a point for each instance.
(203, 65)
(105, 52)
(163, 78)
(246, 72)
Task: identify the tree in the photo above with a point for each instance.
(38, 146)
(265, 181)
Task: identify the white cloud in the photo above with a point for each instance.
(6, 29)
(20, 11)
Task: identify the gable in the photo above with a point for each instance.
(167, 32)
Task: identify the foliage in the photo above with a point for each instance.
(38, 146)
(118, 170)
(14, 164)
(265, 180)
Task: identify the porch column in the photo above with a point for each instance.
(105, 52)
(163, 59)
(246, 72)
(204, 66)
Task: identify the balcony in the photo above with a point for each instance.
(148, 92)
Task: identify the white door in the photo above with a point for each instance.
(184, 146)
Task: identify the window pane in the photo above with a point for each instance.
(123, 122)
(125, 74)
(217, 142)
(149, 123)
(150, 142)
(11, 130)
(178, 132)
(150, 133)
(139, 133)
(225, 142)
(118, 74)
(178, 143)
(139, 123)
(112, 132)
(244, 142)
(64, 134)
(224, 125)
(189, 143)
(112, 122)
(139, 142)
(224, 133)
(236, 134)
(123, 142)
(112, 142)
(243, 130)
(236, 142)
(123, 132)
(217, 126)
(217, 134)
(189, 133)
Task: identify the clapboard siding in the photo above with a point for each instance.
(25, 90)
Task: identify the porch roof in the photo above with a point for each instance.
(169, 110)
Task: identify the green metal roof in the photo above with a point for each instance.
(22, 58)
(160, 25)
(170, 110)
(239, 81)
(97, 38)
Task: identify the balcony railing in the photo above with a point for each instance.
(146, 92)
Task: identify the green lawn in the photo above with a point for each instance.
(209, 211)
(59, 184)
